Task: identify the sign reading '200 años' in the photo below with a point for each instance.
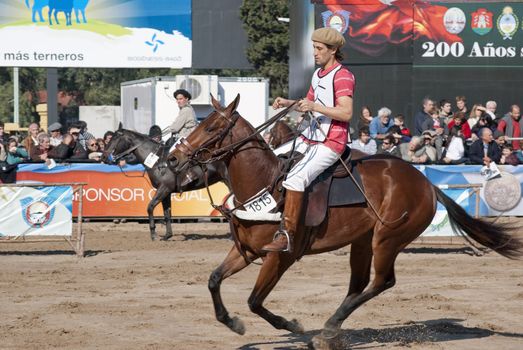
(484, 34)
(427, 32)
(93, 33)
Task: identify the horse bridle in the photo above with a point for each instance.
(193, 154)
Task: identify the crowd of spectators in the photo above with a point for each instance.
(58, 144)
(444, 133)
(73, 144)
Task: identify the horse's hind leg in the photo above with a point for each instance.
(360, 264)
(384, 257)
(271, 271)
(166, 204)
(233, 263)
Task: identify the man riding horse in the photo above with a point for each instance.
(330, 101)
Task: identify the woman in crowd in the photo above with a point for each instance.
(476, 113)
(40, 151)
(15, 153)
(101, 144)
(108, 136)
(365, 117)
(454, 147)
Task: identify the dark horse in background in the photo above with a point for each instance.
(404, 198)
(162, 177)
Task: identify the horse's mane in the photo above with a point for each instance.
(144, 136)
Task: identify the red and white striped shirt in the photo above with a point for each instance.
(343, 86)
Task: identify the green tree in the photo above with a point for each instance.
(31, 80)
(268, 41)
(101, 86)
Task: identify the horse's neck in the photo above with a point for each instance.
(145, 147)
(252, 168)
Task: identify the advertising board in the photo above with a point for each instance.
(112, 192)
(84, 33)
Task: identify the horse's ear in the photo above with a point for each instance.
(120, 126)
(231, 108)
(217, 106)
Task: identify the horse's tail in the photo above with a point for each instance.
(497, 237)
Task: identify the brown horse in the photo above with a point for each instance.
(280, 134)
(392, 185)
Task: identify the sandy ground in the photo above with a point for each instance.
(131, 293)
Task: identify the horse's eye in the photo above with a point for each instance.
(210, 129)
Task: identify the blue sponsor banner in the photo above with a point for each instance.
(470, 174)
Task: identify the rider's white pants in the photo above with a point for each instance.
(316, 159)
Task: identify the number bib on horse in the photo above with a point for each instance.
(323, 94)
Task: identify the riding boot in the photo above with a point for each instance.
(284, 239)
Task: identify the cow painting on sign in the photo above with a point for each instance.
(61, 6)
(79, 9)
(36, 9)
(57, 6)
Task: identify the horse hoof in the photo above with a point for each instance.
(295, 326)
(166, 237)
(319, 342)
(237, 326)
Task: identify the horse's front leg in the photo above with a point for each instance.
(274, 266)
(166, 204)
(234, 262)
(150, 211)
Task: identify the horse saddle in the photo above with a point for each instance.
(334, 187)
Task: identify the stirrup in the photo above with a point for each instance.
(283, 231)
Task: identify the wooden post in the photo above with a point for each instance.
(476, 190)
(81, 236)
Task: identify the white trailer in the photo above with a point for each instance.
(150, 101)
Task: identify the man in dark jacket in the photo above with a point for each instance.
(422, 115)
(78, 151)
(64, 150)
(485, 150)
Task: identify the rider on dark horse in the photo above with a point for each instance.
(330, 101)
